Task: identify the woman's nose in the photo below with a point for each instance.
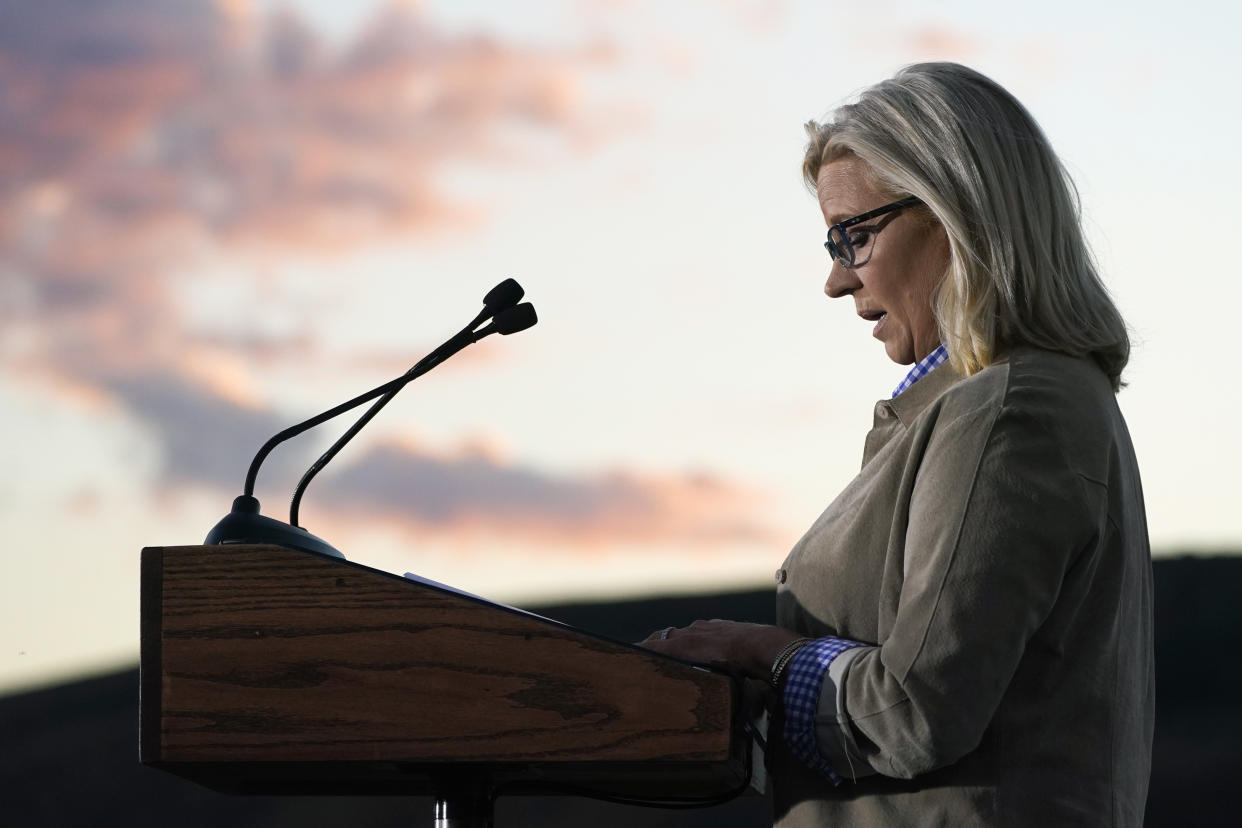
(841, 281)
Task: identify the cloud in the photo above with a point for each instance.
(205, 438)
(478, 490)
(261, 131)
(934, 42)
(139, 142)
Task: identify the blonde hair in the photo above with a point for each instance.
(1019, 267)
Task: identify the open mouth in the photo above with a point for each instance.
(876, 316)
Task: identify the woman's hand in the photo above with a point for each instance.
(750, 648)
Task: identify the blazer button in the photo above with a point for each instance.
(781, 576)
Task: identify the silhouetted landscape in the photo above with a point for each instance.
(71, 752)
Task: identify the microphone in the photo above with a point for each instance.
(511, 320)
(505, 295)
(244, 523)
(507, 321)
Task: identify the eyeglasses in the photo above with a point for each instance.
(853, 249)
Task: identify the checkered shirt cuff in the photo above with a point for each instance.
(922, 368)
(803, 681)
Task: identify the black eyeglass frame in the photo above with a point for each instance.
(843, 251)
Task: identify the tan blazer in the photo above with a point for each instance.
(994, 551)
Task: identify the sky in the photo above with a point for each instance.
(219, 217)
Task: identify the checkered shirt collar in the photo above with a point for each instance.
(922, 368)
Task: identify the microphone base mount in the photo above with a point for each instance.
(244, 524)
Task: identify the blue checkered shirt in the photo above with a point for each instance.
(806, 671)
(803, 680)
(922, 368)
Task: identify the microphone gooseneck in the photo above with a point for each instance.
(433, 359)
(507, 320)
(244, 523)
(293, 431)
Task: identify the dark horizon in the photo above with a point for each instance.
(81, 736)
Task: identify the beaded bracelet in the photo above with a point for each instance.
(783, 658)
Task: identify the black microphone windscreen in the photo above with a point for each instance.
(505, 295)
(514, 319)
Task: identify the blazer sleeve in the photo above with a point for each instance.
(996, 518)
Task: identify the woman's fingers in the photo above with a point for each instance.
(748, 647)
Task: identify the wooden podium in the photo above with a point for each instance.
(268, 670)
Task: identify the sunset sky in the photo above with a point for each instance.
(218, 217)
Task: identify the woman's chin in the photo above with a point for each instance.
(898, 353)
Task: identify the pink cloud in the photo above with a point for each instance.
(138, 140)
(932, 42)
(480, 491)
(265, 135)
(205, 438)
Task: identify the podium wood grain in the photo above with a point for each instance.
(260, 654)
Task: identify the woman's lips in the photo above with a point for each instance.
(875, 316)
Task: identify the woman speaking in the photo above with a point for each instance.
(964, 635)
